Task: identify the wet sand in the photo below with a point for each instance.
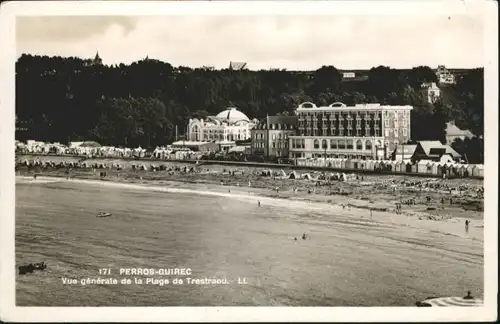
(349, 258)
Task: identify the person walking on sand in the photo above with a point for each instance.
(467, 226)
(371, 213)
(258, 203)
(304, 236)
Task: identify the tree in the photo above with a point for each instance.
(420, 74)
(63, 99)
(472, 150)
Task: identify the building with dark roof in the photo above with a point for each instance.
(237, 65)
(434, 151)
(270, 137)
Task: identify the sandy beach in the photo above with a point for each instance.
(219, 230)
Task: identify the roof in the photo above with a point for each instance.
(406, 149)
(428, 145)
(288, 120)
(453, 130)
(232, 115)
(450, 150)
(237, 65)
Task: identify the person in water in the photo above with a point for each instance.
(304, 236)
(258, 203)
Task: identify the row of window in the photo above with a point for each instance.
(260, 136)
(277, 126)
(219, 137)
(322, 115)
(388, 131)
(364, 115)
(396, 123)
(340, 132)
(279, 145)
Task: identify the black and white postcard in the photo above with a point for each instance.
(248, 161)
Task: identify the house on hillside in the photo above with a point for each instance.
(432, 92)
(444, 76)
(348, 75)
(453, 132)
(435, 151)
(237, 65)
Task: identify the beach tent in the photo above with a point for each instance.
(424, 166)
(349, 164)
(306, 176)
(370, 165)
(406, 166)
(282, 173)
(89, 144)
(293, 175)
(468, 170)
(463, 171)
(398, 167)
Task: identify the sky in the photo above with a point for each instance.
(286, 42)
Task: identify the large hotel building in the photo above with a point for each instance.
(362, 131)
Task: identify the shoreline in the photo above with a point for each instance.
(355, 209)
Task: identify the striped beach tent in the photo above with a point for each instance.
(451, 302)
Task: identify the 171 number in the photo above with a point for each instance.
(104, 271)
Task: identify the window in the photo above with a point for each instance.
(333, 144)
(368, 145)
(386, 122)
(377, 132)
(316, 144)
(324, 144)
(386, 132)
(341, 144)
(396, 132)
(359, 145)
(405, 132)
(274, 144)
(350, 144)
(274, 137)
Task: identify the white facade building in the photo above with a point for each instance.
(227, 127)
(362, 131)
(444, 76)
(433, 92)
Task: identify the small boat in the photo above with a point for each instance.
(103, 214)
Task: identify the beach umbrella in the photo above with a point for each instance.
(467, 301)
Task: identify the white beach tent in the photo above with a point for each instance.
(293, 175)
(424, 166)
(306, 176)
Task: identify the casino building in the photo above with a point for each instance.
(362, 131)
(225, 128)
